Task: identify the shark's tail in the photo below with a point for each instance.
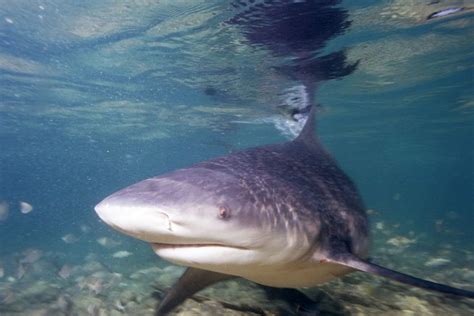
(354, 262)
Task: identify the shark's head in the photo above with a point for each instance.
(204, 218)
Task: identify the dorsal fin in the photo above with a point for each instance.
(308, 133)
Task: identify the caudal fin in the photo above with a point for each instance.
(361, 265)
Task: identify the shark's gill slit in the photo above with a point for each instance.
(168, 221)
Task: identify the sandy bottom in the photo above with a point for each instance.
(119, 281)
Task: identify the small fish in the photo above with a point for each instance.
(81, 283)
(108, 242)
(439, 225)
(64, 304)
(25, 207)
(119, 306)
(70, 238)
(85, 229)
(452, 215)
(4, 210)
(95, 286)
(122, 254)
(31, 255)
(437, 262)
(65, 271)
(444, 12)
(2, 271)
(21, 271)
(372, 212)
(400, 241)
(7, 297)
(93, 310)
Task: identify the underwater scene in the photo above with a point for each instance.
(96, 96)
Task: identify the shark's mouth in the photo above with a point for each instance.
(156, 246)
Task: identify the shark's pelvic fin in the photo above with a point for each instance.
(300, 302)
(193, 280)
(354, 262)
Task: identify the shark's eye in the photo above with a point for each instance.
(224, 212)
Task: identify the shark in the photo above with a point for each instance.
(282, 215)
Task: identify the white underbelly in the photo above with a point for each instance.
(291, 276)
(296, 276)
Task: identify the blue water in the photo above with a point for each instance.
(98, 95)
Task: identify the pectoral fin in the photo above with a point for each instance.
(193, 280)
(354, 262)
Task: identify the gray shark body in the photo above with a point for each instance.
(281, 215)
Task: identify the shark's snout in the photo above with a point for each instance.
(141, 221)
